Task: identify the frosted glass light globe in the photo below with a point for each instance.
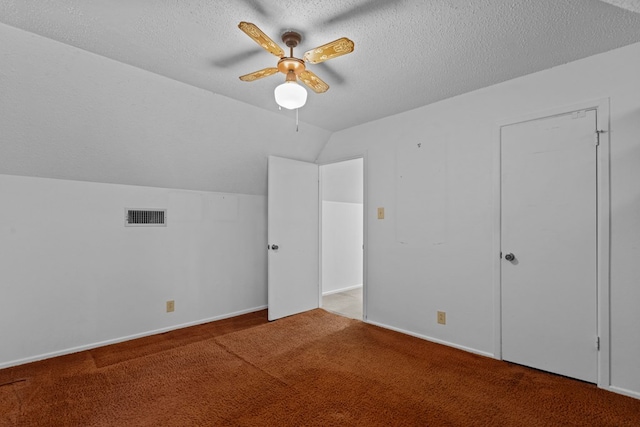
(290, 95)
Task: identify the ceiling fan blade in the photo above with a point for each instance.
(329, 51)
(266, 72)
(314, 82)
(261, 38)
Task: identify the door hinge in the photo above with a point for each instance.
(598, 132)
(598, 343)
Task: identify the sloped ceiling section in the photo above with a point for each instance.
(69, 114)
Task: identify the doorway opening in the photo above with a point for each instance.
(342, 237)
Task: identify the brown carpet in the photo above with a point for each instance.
(312, 369)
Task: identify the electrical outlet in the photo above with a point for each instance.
(380, 213)
(171, 306)
(442, 318)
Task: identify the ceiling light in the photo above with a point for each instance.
(290, 94)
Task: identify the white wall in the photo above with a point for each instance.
(447, 264)
(69, 114)
(343, 181)
(341, 246)
(73, 276)
(342, 225)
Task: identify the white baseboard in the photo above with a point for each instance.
(337, 291)
(435, 340)
(613, 389)
(623, 391)
(126, 338)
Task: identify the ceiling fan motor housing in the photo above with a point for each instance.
(290, 64)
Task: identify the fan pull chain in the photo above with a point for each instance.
(297, 109)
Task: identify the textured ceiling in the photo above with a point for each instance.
(408, 53)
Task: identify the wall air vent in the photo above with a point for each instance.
(145, 218)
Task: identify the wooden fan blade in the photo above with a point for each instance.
(261, 38)
(314, 82)
(266, 72)
(329, 51)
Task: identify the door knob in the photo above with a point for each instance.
(509, 257)
(274, 247)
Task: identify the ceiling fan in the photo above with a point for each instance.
(290, 94)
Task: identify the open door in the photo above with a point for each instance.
(293, 238)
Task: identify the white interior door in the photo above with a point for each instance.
(549, 219)
(293, 237)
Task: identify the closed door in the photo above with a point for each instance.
(549, 246)
(293, 237)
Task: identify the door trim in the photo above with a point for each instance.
(603, 213)
(365, 226)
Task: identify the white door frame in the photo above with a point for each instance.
(365, 227)
(601, 106)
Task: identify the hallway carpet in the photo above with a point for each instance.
(312, 369)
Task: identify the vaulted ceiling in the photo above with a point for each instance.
(146, 92)
(408, 53)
